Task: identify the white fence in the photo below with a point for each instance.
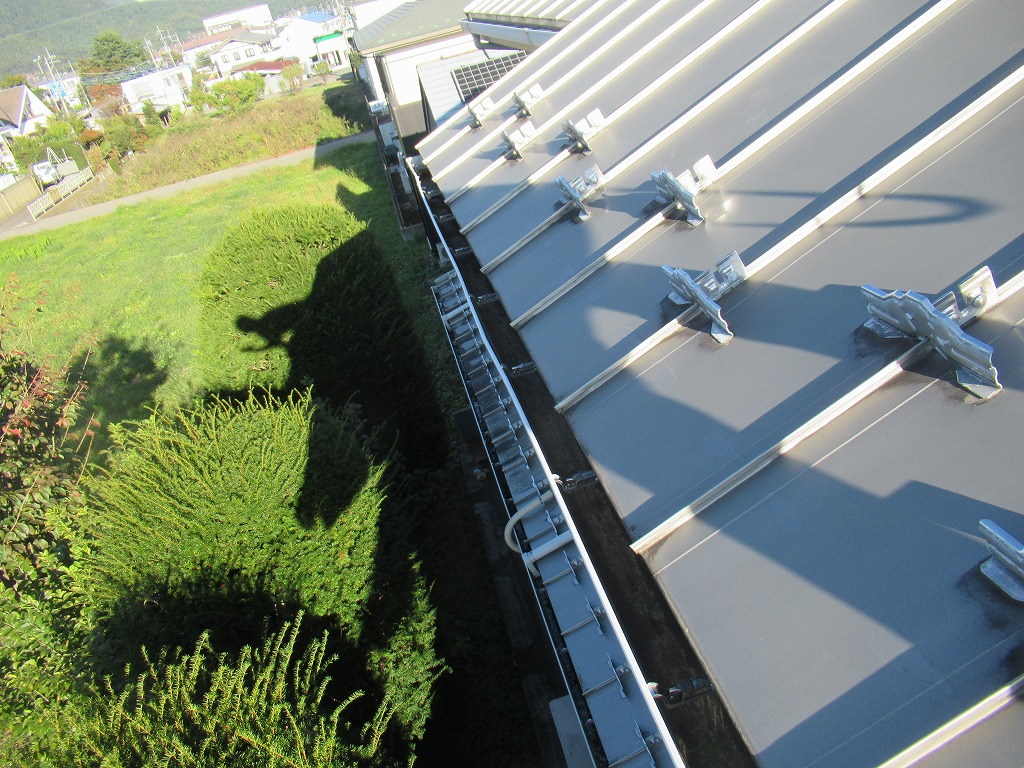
(54, 195)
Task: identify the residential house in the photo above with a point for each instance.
(241, 48)
(21, 113)
(312, 37)
(395, 44)
(190, 50)
(164, 89)
(254, 17)
(735, 290)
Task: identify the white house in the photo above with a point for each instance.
(21, 113)
(240, 49)
(190, 50)
(412, 34)
(252, 17)
(163, 89)
(312, 37)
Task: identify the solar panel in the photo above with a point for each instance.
(474, 79)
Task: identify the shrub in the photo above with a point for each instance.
(295, 296)
(269, 706)
(234, 514)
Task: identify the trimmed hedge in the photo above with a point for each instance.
(300, 296)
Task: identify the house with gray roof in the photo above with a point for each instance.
(395, 44)
(734, 289)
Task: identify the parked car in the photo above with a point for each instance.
(46, 172)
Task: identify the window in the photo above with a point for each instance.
(238, 56)
(249, 53)
(225, 58)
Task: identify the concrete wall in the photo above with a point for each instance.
(18, 195)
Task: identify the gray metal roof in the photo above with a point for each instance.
(410, 23)
(556, 13)
(810, 511)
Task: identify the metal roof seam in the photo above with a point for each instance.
(548, 91)
(623, 109)
(528, 75)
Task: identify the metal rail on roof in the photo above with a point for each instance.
(563, 53)
(812, 224)
(465, 111)
(629, 105)
(733, 162)
(872, 57)
(998, 701)
(581, 98)
(822, 419)
(662, 136)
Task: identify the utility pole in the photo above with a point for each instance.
(55, 82)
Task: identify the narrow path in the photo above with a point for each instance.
(22, 224)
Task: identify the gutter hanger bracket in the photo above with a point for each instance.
(526, 99)
(908, 314)
(581, 131)
(706, 289)
(575, 193)
(1005, 568)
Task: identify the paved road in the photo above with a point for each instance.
(22, 224)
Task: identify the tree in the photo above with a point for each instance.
(203, 60)
(13, 81)
(291, 76)
(237, 95)
(322, 70)
(111, 52)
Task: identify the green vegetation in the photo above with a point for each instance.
(112, 53)
(200, 144)
(232, 541)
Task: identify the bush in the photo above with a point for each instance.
(295, 297)
(267, 707)
(235, 516)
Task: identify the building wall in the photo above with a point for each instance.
(166, 88)
(296, 41)
(256, 16)
(236, 53)
(403, 85)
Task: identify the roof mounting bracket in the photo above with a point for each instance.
(706, 289)
(481, 111)
(680, 190)
(908, 314)
(583, 130)
(519, 138)
(526, 99)
(593, 618)
(576, 192)
(705, 172)
(1005, 568)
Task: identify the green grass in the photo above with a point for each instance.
(131, 277)
(131, 281)
(203, 144)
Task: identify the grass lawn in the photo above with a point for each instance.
(130, 283)
(129, 280)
